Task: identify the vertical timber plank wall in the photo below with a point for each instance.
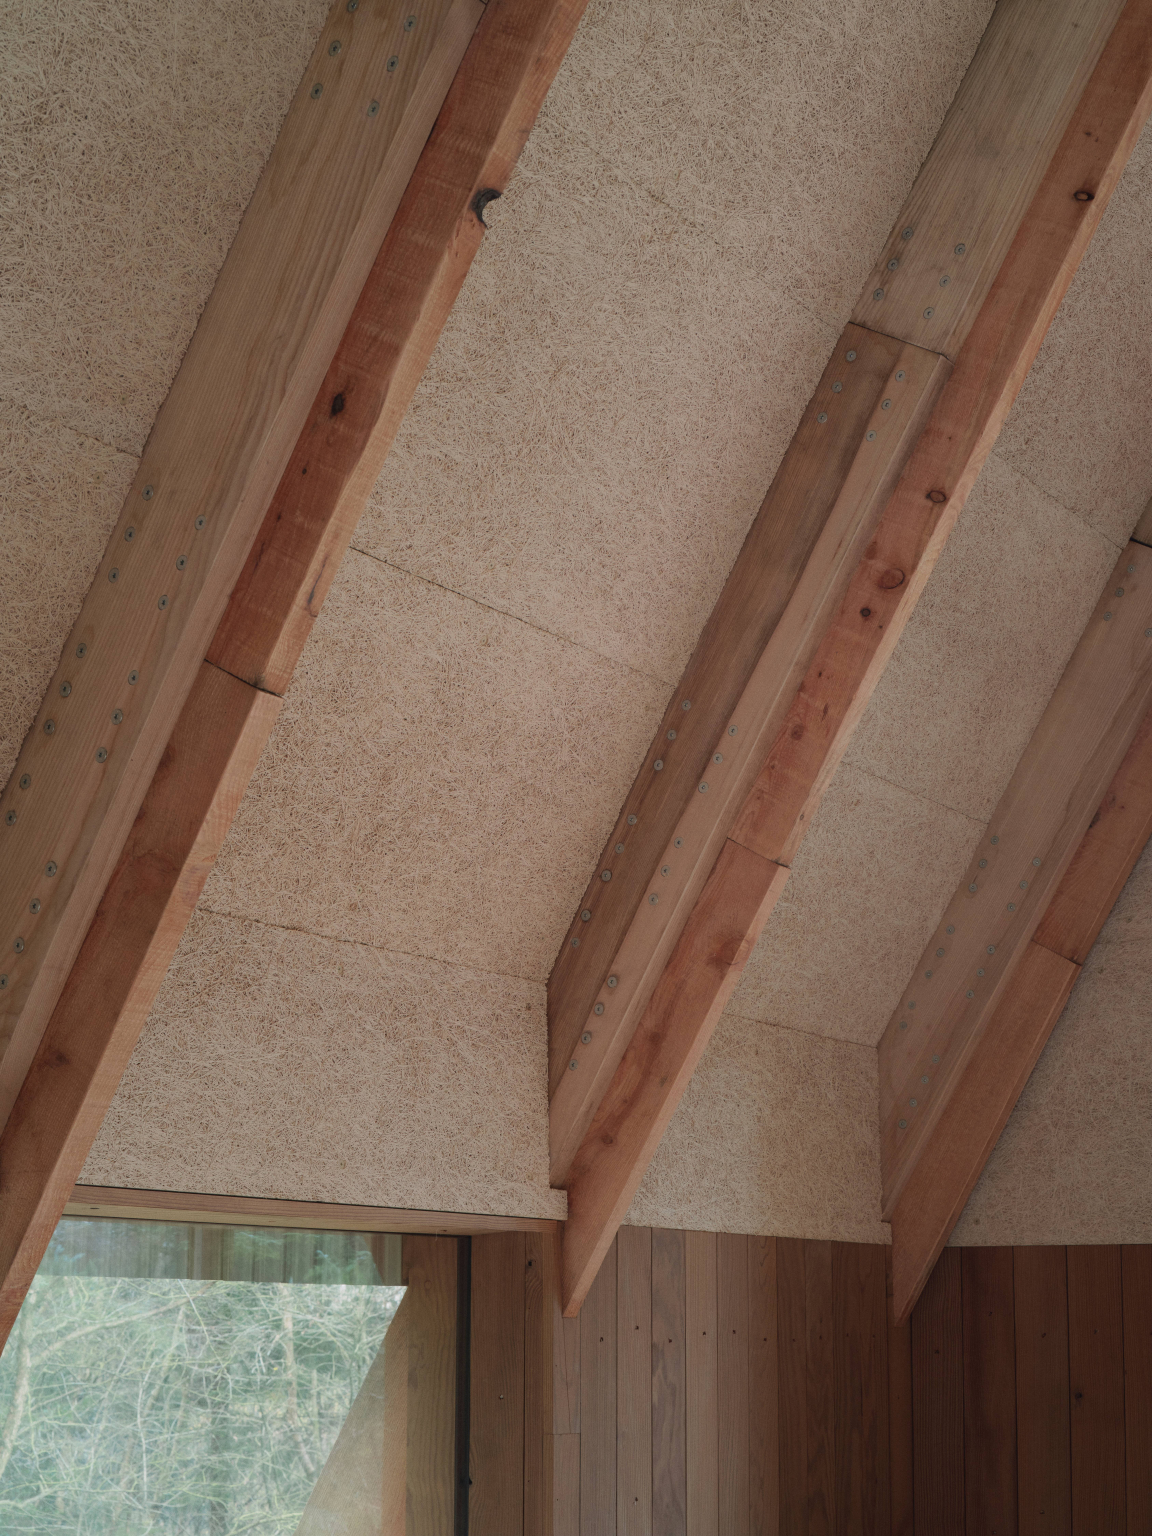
(757, 1386)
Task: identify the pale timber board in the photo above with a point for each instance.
(309, 1215)
(995, 144)
(869, 425)
(1033, 834)
(216, 452)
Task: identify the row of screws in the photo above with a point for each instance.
(335, 46)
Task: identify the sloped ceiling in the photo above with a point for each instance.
(357, 1010)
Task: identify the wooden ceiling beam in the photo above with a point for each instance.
(1074, 146)
(61, 1099)
(985, 1094)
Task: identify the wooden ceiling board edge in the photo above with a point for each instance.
(308, 1215)
(744, 615)
(976, 1113)
(656, 1068)
(217, 449)
(1000, 347)
(1063, 774)
(878, 412)
(124, 958)
(955, 1155)
(487, 115)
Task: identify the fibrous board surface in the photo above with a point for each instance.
(357, 1011)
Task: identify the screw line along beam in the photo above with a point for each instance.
(989, 370)
(995, 146)
(954, 1155)
(220, 442)
(478, 135)
(1034, 832)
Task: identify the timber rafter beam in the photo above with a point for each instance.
(974, 270)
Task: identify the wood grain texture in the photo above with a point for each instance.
(901, 1480)
(1107, 855)
(655, 1070)
(429, 1270)
(763, 1390)
(598, 1403)
(701, 1442)
(541, 1283)
(860, 1388)
(97, 1020)
(669, 1392)
(496, 1434)
(938, 1400)
(1136, 1278)
(214, 456)
(1064, 772)
(780, 596)
(315, 1215)
(566, 1485)
(1040, 1292)
(634, 1381)
(792, 1357)
(1096, 1375)
(994, 145)
(990, 1478)
(989, 370)
(733, 1352)
(822, 1512)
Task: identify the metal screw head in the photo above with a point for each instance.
(200, 523)
(148, 492)
(939, 952)
(612, 980)
(631, 821)
(585, 916)
(114, 574)
(886, 405)
(575, 943)
(571, 1066)
(995, 840)
(718, 757)
(969, 994)
(951, 928)
(980, 970)
(906, 234)
(409, 23)
(34, 905)
(991, 949)
(924, 1079)
(3, 981)
(1131, 570)
(945, 280)
(619, 847)
(599, 1008)
(133, 677)
(732, 730)
(181, 562)
(871, 436)
(972, 887)
(960, 249)
(1148, 634)
(851, 356)
(704, 788)
(392, 63)
(929, 312)
(823, 416)
(900, 375)
(10, 818)
(65, 690)
(878, 294)
(837, 388)
(935, 1059)
(163, 603)
(928, 975)
(50, 868)
(117, 716)
(903, 1125)
(912, 1102)
(334, 47)
(679, 842)
(81, 650)
(25, 780)
(671, 735)
(903, 1023)
(1023, 885)
(658, 764)
(49, 727)
(1107, 615)
(353, 5)
(316, 90)
(1119, 591)
(129, 535)
(983, 863)
(653, 899)
(586, 1037)
(894, 263)
(19, 946)
(101, 754)
(605, 875)
(1011, 906)
(373, 108)
(685, 704)
(1036, 863)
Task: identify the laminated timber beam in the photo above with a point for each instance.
(275, 529)
(952, 1156)
(1049, 111)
